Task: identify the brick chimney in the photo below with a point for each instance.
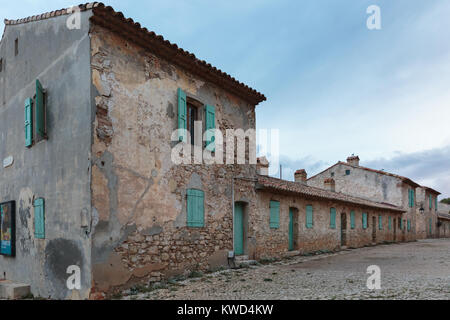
(301, 176)
(330, 184)
(262, 166)
(353, 160)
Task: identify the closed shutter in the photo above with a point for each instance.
(412, 198)
(39, 218)
(210, 124)
(364, 220)
(333, 218)
(309, 217)
(352, 219)
(40, 110)
(409, 225)
(436, 203)
(431, 201)
(195, 208)
(401, 224)
(28, 122)
(431, 226)
(380, 222)
(274, 214)
(182, 116)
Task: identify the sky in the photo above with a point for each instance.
(334, 87)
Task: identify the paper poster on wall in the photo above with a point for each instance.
(7, 229)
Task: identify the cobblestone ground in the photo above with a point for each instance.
(417, 270)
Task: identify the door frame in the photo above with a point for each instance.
(244, 206)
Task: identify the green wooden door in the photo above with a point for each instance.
(238, 229)
(291, 230)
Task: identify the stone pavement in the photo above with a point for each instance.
(415, 270)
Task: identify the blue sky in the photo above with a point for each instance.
(334, 87)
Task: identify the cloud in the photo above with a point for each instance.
(430, 167)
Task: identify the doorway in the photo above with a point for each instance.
(395, 230)
(293, 229)
(239, 228)
(343, 229)
(374, 229)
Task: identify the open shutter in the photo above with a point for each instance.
(182, 116)
(28, 122)
(210, 123)
(39, 218)
(274, 214)
(309, 217)
(40, 110)
(352, 219)
(333, 218)
(195, 208)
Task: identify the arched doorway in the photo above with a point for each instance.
(343, 229)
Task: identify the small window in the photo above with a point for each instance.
(274, 214)
(16, 47)
(347, 172)
(333, 218)
(332, 174)
(1, 65)
(192, 116)
(195, 208)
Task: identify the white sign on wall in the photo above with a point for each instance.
(7, 162)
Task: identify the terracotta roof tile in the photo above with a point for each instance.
(115, 21)
(283, 186)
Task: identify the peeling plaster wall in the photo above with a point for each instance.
(58, 169)
(138, 194)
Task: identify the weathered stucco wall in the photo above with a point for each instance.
(138, 193)
(58, 169)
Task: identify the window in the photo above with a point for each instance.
(380, 222)
(436, 204)
(192, 116)
(274, 214)
(431, 201)
(364, 220)
(1, 65)
(309, 217)
(333, 218)
(332, 174)
(409, 225)
(35, 117)
(352, 219)
(431, 225)
(347, 172)
(39, 218)
(400, 224)
(195, 208)
(16, 47)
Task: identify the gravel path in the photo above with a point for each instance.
(417, 270)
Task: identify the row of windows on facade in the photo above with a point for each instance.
(411, 200)
(309, 222)
(195, 214)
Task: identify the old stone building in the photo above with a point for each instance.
(89, 176)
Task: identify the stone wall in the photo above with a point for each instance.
(138, 193)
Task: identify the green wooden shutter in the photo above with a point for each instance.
(390, 223)
(274, 214)
(182, 116)
(195, 208)
(39, 218)
(28, 122)
(431, 201)
(380, 222)
(436, 203)
(352, 219)
(40, 110)
(364, 220)
(431, 226)
(412, 198)
(401, 224)
(333, 218)
(409, 224)
(210, 123)
(309, 217)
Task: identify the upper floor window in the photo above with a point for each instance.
(16, 47)
(192, 116)
(347, 172)
(1, 65)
